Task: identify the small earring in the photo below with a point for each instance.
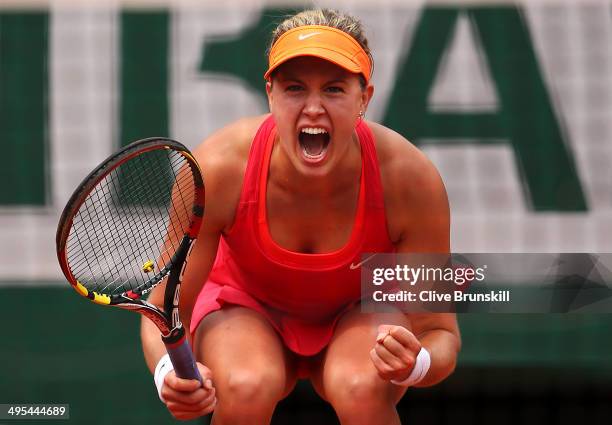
(360, 116)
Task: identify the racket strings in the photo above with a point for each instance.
(186, 180)
(121, 233)
(180, 183)
(165, 255)
(114, 252)
(101, 289)
(90, 242)
(139, 212)
(147, 200)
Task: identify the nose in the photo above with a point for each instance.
(313, 105)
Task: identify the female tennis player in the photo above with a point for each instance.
(293, 198)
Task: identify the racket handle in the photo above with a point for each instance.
(182, 359)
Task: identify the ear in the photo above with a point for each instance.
(269, 93)
(366, 96)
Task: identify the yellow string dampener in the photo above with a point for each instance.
(147, 267)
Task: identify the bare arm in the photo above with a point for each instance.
(199, 266)
(427, 229)
(419, 217)
(222, 159)
(185, 398)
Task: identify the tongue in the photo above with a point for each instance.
(313, 144)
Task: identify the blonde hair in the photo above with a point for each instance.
(328, 17)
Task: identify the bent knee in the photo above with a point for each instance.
(359, 390)
(251, 385)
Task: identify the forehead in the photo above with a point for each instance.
(305, 67)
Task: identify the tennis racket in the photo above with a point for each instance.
(131, 224)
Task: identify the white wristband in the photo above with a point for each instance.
(164, 365)
(421, 367)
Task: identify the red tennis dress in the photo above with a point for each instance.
(302, 295)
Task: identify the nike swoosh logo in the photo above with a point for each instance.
(354, 266)
(302, 37)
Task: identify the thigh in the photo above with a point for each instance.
(346, 362)
(236, 340)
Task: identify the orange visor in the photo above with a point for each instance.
(322, 42)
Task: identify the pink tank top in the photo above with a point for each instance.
(302, 295)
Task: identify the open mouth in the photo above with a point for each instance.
(314, 142)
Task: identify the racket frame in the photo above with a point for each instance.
(167, 320)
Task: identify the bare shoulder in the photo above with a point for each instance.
(401, 162)
(415, 196)
(222, 148)
(223, 158)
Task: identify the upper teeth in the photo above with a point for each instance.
(313, 130)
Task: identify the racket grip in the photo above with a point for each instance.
(182, 359)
